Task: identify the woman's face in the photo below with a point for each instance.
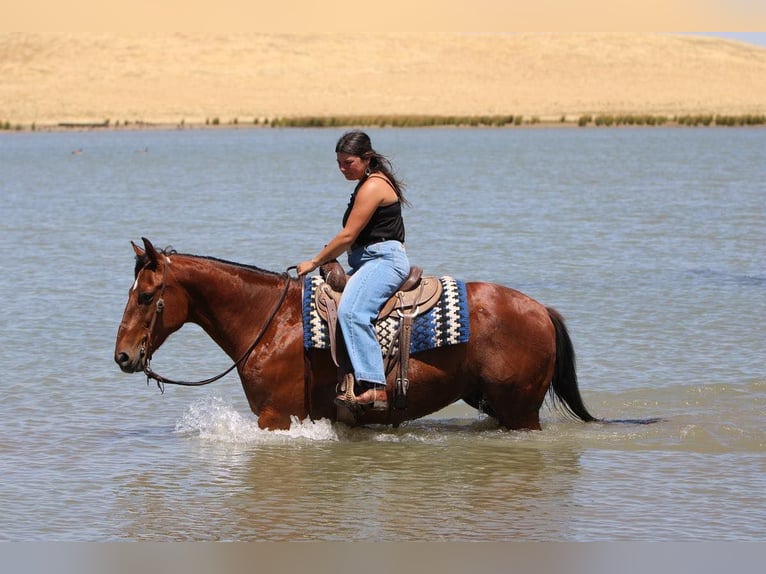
(352, 166)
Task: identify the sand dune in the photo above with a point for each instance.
(51, 78)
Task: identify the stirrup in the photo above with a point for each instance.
(374, 398)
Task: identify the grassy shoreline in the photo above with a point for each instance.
(411, 121)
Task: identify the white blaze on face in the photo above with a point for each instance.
(135, 283)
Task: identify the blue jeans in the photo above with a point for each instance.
(377, 271)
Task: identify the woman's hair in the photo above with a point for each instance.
(358, 143)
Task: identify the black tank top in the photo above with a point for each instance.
(386, 222)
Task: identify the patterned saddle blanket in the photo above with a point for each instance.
(446, 323)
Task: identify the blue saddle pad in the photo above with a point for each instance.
(446, 323)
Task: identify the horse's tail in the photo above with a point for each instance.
(564, 390)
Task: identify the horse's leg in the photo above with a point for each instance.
(515, 404)
(515, 386)
(276, 382)
(513, 352)
(272, 418)
(505, 394)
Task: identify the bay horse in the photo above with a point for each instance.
(518, 351)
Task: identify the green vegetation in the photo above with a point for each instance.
(746, 120)
(704, 120)
(694, 121)
(418, 121)
(623, 120)
(394, 121)
(604, 120)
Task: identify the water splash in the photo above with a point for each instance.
(216, 420)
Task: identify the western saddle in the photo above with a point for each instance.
(415, 296)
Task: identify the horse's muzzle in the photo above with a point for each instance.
(128, 365)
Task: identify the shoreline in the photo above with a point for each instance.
(414, 121)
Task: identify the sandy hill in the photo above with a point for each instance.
(51, 78)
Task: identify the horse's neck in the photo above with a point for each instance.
(228, 301)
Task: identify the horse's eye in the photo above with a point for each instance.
(145, 298)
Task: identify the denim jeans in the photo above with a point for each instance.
(377, 271)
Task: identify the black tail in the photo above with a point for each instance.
(564, 390)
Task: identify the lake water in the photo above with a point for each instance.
(649, 241)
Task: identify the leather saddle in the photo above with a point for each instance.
(415, 296)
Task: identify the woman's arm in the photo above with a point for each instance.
(373, 193)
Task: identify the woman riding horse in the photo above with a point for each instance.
(373, 236)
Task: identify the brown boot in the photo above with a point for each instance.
(374, 398)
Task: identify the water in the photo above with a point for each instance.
(649, 241)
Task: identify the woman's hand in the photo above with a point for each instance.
(306, 267)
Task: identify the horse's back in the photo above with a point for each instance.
(498, 309)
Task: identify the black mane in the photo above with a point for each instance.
(235, 264)
(142, 260)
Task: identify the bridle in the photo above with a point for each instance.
(146, 346)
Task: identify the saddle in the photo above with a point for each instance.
(416, 295)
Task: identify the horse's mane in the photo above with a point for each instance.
(142, 260)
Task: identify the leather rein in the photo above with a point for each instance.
(146, 350)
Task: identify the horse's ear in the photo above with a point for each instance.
(139, 252)
(150, 253)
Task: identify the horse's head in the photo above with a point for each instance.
(156, 308)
